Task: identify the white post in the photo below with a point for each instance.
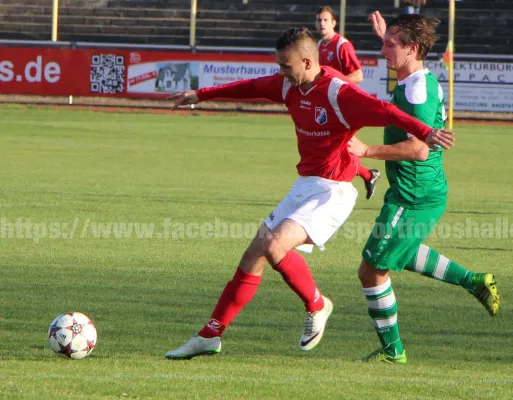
(55, 31)
(450, 48)
(194, 9)
(55, 20)
(342, 18)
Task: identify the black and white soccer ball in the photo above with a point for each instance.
(72, 335)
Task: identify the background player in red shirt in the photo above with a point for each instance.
(327, 110)
(335, 50)
(338, 52)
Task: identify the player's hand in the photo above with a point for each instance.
(183, 99)
(357, 147)
(440, 137)
(379, 26)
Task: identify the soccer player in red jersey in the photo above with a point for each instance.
(335, 50)
(327, 110)
(338, 52)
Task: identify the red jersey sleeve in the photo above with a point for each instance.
(360, 109)
(266, 87)
(349, 62)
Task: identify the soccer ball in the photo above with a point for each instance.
(72, 335)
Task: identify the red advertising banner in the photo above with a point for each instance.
(122, 73)
(105, 72)
(64, 72)
(479, 85)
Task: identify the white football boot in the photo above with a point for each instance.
(315, 323)
(196, 346)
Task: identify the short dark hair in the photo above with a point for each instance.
(327, 9)
(292, 36)
(416, 28)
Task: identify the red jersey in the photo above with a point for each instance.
(339, 54)
(326, 117)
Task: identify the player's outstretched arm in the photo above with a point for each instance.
(183, 98)
(361, 109)
(379, 26)
(412, 149)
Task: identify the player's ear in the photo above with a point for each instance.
(308, 63)
(414, 48)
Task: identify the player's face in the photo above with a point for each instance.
(396, 54)
(292, 65)
(325, 24)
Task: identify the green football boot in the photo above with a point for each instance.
(485, 291)
(380, 356)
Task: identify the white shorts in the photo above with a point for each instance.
(319, 205)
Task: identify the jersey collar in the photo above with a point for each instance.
(416, 73)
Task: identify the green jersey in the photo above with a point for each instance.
(417, 184)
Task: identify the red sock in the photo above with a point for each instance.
(237, 293)
(294, 270)
(362, 170)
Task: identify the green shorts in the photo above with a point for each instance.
(397, 235)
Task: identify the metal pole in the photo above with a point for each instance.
(55, 20)
(55, 32)
(194, 9)
(342, 18)
(452, 14)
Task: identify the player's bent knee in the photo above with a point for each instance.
(369, 275)
(273, 250)
(366, 272)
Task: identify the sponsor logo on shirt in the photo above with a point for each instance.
(308, 133)
(306, 104)
(321, 116)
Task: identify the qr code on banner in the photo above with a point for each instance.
(107, 73)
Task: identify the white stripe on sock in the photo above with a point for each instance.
(373, 291)
(422, 257)
(385, 323)
(384, 303)
(441, 267)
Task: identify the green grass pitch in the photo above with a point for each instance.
(75, 181)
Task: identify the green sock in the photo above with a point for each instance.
(383, 312)
(430, 263)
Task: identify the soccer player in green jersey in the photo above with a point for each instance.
(417, 196)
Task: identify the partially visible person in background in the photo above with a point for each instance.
(413, 6)
(335, 50)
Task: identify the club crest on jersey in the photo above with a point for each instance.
(321, 116)
(330, 56)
